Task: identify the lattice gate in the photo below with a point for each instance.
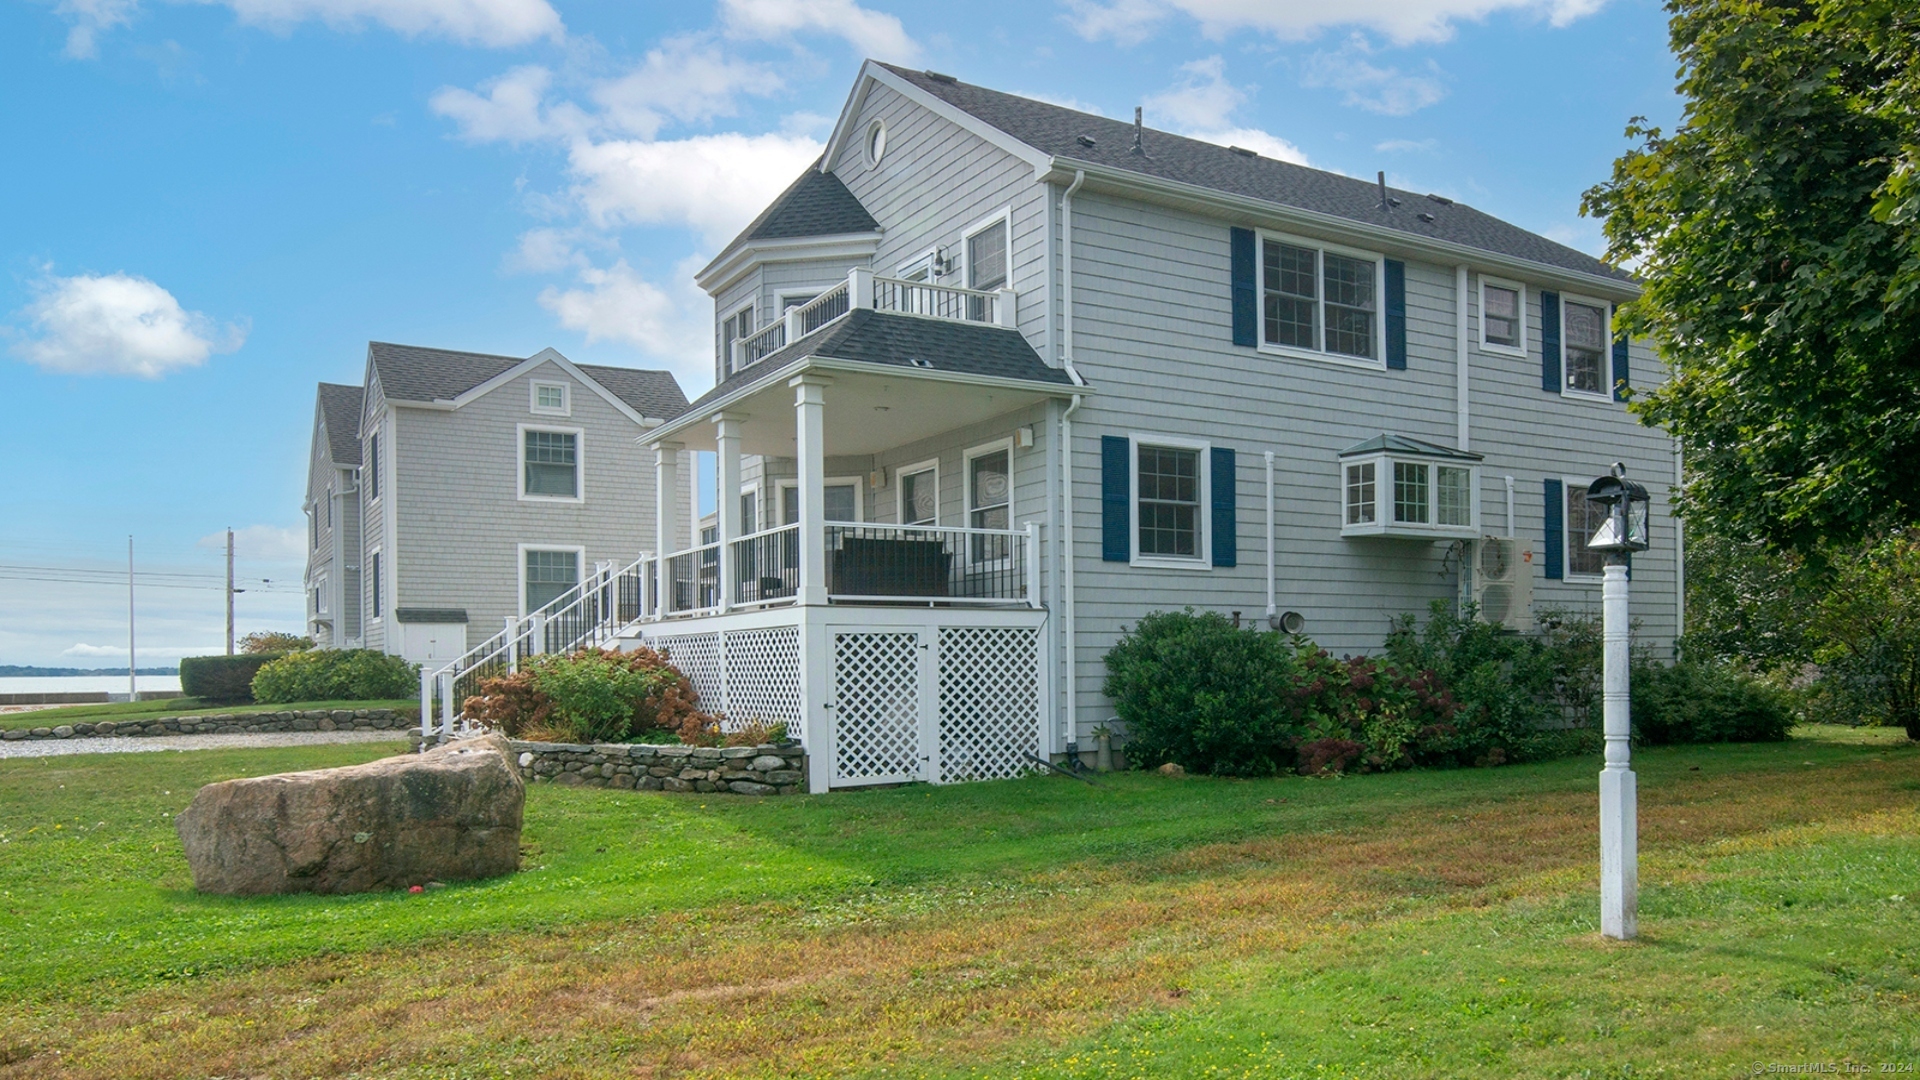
(877, 735)
(989, 702)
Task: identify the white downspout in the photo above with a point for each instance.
(1272, 610)
(1679, 550)
(1070, 626)
(1508, 480)
(1462, 366)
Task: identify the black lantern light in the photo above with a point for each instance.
(1625, 529)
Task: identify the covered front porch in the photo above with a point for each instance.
(893, 619)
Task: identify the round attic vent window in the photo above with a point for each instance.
(876, 142)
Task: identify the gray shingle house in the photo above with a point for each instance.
(996, 378)
(456, 491)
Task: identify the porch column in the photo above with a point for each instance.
(666, 498)
(810, 439)
(727, 502)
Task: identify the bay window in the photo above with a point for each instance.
(1396, 486)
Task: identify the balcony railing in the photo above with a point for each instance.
(693, 580)
(766, 565)
(863, 289)
(932, 563)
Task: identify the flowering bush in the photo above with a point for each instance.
(594, 695)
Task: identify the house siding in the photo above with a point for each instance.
(1153, 337)
(461, 521)
(320, 539)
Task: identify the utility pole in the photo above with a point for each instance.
(229, 590)
(133, 687)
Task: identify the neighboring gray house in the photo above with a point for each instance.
(996, 378)
(459, 490)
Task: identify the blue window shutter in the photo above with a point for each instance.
(1550, 343)
(1226, 529)
(1620, 382)
(1556, 529)
(1115, 483)
(1396, 315)
(1246, 290)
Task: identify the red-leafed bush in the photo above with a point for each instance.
(594, 695)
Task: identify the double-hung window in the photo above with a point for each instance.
(1395, 486)
(1586, 348)
(1503, 326)
(549, 575)
(920, 494)
(990, 500)
(549, 464)
(1321, 300)
(1167, 480)
(1584, 518)
(986, 265)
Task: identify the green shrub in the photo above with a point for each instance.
(595, 695)
(1516, 697)
(335, 675)
(1700, 702)
(1195, 691)
(222, 679)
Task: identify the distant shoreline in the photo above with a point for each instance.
(15, 671)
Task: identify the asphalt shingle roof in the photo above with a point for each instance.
(891, 340)
(340, 411)
(650, 393)
(1401, 444)
(1058, 131)
(415, 373)
(816, 204)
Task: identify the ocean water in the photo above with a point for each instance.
(69, 684)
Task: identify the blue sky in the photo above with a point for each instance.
(213, 205)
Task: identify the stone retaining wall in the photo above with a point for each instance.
(743, 770)
(251, 723)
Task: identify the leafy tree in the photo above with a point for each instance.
(274, 641)
(1747, 601)
(1778, 234)
(1868, 629)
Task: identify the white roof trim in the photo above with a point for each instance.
(544, 356)
(808, 363)
(871, 72)
(1177, 192)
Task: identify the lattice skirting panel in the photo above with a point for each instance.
(699, 658)
(989, 717)
(876, 693)
(763, 679)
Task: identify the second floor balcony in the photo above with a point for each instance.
(865, 289)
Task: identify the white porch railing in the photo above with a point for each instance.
(766, 566)
(933, 563)
(863, 289)
(693, 578)
(591, 613)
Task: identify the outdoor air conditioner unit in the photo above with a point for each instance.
(1503, 581)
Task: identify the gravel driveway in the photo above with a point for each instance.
(27, 748)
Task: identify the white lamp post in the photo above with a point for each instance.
(1623, 532)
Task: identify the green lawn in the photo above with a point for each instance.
(185, 706)
(1435, 923)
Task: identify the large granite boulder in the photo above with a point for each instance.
(450, 814)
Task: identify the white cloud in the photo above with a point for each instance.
(714, 184)
(260, 543)
(1202, 106)
(873, 33)
(618, 304)
(1205, 99)
(90, 18)
(1405, 146)
(513, 109)
(118, 324)
(684, 80)
(1402, 21)
(494, 23)
(1260, 142)
(543, 250)
(1368, 86)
